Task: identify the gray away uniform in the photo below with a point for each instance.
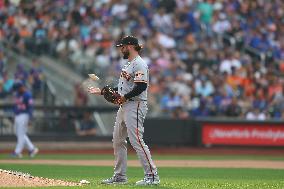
(130, 119)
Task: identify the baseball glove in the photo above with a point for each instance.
(111, 95)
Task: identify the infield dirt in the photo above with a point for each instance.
(266, 164)
(12, 179)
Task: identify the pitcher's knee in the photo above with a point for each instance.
(119, 143)
(137, 145)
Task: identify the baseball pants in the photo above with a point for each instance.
(129, 122)
(21, 128)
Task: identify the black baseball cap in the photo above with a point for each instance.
(128, 40)
(18, 84)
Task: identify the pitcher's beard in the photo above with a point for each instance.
(125, 55)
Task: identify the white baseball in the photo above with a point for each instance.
(84, 182)
(93, 77)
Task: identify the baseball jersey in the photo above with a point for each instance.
(23, 103)
(134, 71)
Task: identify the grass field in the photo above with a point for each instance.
(172, 178)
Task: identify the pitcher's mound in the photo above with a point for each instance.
(19, 179)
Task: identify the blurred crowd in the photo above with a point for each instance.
(31, 78)
(193, 73)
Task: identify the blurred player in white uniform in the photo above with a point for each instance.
(23, 111)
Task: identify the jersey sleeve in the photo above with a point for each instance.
(140, 73)
(28, 100)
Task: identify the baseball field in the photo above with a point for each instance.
(186, 171)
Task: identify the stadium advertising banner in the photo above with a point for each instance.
(242, 134)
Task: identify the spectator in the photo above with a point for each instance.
(229, 62)
(36, 78)
(21, 74)
(2, 62)
(40, 35)
(277, 105)
(2, 92)
(205, 9)
(179, 113)
(87, 126)
(255, 114)
(170, 101)
(180, 37)
(163, 21)
(234, 109)
(81, 98)
(234, 80)
(204, 87)
(202, 110)
(7, 83)
(222, 24)
(275, 87)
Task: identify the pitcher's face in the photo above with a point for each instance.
(125, 52)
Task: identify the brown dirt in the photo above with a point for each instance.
(16, 179)
(170, 151)
(163, 163)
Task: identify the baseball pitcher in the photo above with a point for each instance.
(131, 95)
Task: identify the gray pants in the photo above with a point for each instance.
(129, 122)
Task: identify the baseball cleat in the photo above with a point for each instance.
(15, 155)
(115, 179)
(149, 180)
(33, 152)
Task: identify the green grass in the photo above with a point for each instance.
(171, 178)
